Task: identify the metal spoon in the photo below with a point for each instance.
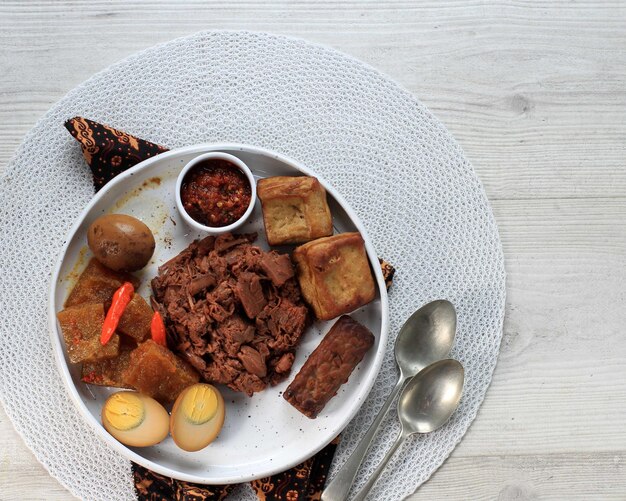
(426, 336)
(426, 404)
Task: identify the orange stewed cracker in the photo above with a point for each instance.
(108, 372)
(157, 372)
(81, 326)
(97, 284)
(135, 321)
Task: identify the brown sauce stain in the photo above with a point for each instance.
(74, 274)
(151, 183)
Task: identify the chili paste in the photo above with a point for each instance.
(215, 193)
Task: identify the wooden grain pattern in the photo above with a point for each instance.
(21, 475)
(530, 477)
(535, 92)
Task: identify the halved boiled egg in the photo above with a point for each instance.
(135, 419)
(197, 417)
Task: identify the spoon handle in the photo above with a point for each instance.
(360, 496)
(339, 487)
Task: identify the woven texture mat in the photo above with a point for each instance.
(395, 164)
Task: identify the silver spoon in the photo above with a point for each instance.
(426, 336)
(426, 404)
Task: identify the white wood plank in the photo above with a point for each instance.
(527, 478)
(21, 475)
(563, 356)
(534, 95)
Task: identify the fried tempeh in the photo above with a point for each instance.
(329, 366)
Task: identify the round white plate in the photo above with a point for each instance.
(263, 434)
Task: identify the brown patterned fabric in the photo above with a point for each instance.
(109, 152)
(290, 485)
(319, 471)
(151, 486)
(303, 482)
(388, 272)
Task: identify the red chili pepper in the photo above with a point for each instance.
(121, 298)
(157, 329)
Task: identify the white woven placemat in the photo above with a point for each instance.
(397, 166)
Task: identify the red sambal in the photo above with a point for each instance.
(215, 193)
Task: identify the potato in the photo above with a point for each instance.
(121, 242)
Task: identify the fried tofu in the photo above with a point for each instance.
(295, 209)
(334, 274)
(157, 372)
(97, 284)
(81, 326)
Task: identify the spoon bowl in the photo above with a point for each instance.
(425, 405)
(431, 397)
(426, 336)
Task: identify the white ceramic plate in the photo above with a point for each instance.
(262, 435)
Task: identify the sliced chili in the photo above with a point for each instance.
(121, 298)
(157, 329)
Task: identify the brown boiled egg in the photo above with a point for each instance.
(121, 242)
(197, 417)
(135, 419)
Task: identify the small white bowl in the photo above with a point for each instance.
(216, 155)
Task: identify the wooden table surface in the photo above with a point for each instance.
(535, 92)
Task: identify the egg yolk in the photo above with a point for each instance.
(124, 410)
(199, 404)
